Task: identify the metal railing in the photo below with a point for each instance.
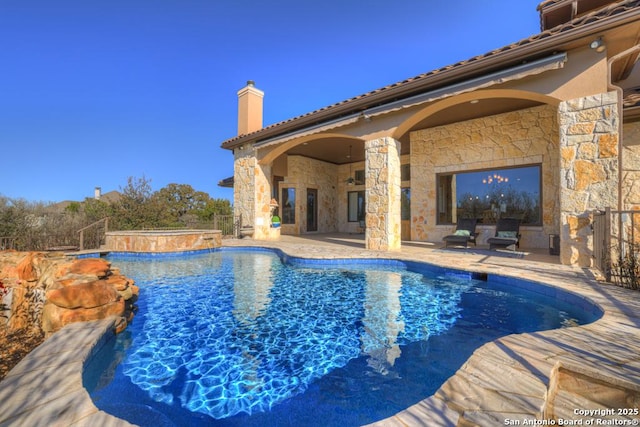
(616, 237)
(93, 235)
(602, 242)
(229, 225)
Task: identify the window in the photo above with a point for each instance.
(288, 206)
(405, 172)
(491, 194)
(359, 177)
(355, 206)
(405, 204)
(274, 192)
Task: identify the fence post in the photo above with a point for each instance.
(607, 244)
(81, 240)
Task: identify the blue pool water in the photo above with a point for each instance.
(243, 338)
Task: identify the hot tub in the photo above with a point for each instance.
(162, 240)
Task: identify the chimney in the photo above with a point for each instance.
(249, 109)
(97, 193)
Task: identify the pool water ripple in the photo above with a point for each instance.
(239, 337)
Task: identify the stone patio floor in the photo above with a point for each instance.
(503, 383)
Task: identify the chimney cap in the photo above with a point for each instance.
(251, 83)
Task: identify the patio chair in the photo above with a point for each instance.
(507, 234)
(465, 233)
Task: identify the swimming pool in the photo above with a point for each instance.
(248, 337)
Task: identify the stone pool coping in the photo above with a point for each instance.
(503, 380)
(46, 388)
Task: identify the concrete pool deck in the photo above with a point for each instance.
(504, 382)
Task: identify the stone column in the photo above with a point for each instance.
(262, 176)
(252, 191)
(588, 170)
(244, 184)
(382, 197)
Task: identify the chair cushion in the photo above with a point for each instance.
(462, 233)
(508, 234)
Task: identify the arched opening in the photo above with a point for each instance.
(498, 131)
(313, 178)
(471, 105)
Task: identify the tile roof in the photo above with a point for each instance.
(584, 20)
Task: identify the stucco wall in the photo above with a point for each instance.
(524, 137)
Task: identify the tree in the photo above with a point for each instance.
(136, 208)
(215, 207)
(96, 209)
(180, 199)
(184, 205)
(73, 207)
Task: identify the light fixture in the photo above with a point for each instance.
(474, 101)
(350, 180)
(597, 45)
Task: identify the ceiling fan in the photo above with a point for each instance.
(351, 180)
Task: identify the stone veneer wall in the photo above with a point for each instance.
(382, 172)
(631, 175)
(303, 173)
(343, 188)
(631, 166)
(589, 179)
(519, 138)
(252, 191)
(244, 185)
(162, 240)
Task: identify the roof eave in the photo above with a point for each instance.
(479, 66)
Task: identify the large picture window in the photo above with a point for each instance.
(288, 206)
(491, 194)
(355, 206)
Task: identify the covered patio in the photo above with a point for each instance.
(532, 131)
(353, 245)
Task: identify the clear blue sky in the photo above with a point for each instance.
(95, 91)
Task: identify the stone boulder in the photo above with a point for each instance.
(50, 290)
(97, 267)
(55, 317)
(84, 295)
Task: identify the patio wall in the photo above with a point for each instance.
(522, 137)
(303, 173)
(589, 180)
(631, 166)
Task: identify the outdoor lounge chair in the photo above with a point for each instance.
(507, 234)
(465, 233)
